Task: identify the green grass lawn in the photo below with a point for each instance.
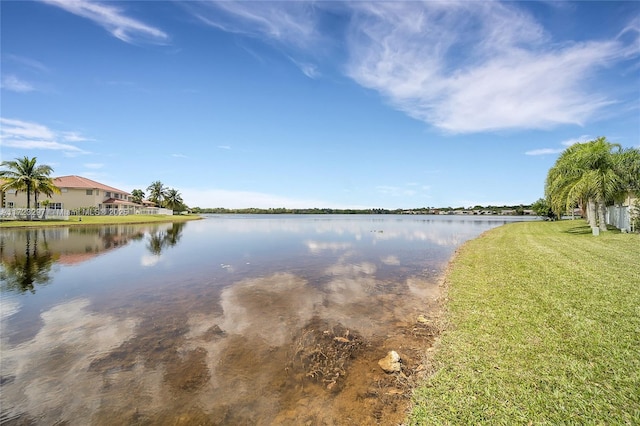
(98, 220)
(542, 326)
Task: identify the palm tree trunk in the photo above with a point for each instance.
(602, 215)
(35, 202)
(591, 213)
(28, 201)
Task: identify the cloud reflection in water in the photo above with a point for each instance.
(47, 373)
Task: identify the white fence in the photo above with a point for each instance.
(61, 214)
(33, 214)
(122, 211)
(619, 217)
(155, 210)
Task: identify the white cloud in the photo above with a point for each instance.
(23, 129)
(566, 143)
(580, 139)
(503, 71)
(544, 151)
(224, 147)
(14, 84)
(74, 137)
(500, 73)
(292, 23)
(113, 20)
(632, 34)
(179, 156)
(48, 145)
(28, 135)
(308, 69)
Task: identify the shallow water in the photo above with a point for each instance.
(227, 320)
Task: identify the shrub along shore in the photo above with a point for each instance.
(98, 220)
(542, 326)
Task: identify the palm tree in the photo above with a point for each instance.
(587, 173)
(557, 185)
(172, 198)
(138, 196)
(22, 174)
(628, 166)
(156, 192)
(44, 186)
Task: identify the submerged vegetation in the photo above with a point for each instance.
(541, 327)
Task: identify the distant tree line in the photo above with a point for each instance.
(519, 209)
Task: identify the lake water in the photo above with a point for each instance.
(226, 320)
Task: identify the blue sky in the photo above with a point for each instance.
(318, 104)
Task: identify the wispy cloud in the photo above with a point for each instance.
(579, 139)
(227, 147)
(308, 69)
(74, 137)
(494, 75)
(179, 156)
(113, 19)
(15, 84)
(565, 144)
(28, 63)
(544, 151)
(291, 23)
(28, 135)
(503, 71)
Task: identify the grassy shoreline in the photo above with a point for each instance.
(543, 327)
(98, 220)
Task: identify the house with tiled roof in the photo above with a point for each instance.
(76, 192)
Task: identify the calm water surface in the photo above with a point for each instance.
(226, 320)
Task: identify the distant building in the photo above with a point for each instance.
(76, 192)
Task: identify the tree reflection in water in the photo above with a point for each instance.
(160, 239)
(27, 256)
(21, 272)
